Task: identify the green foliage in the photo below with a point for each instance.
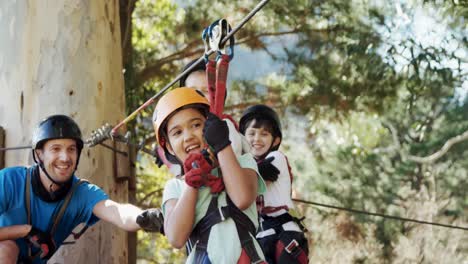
(360, 88)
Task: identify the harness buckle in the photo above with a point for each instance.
(221, 214)
(291, 246)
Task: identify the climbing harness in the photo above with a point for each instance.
(200, 234)
(282, 240)
(56, 218)
(245, 229)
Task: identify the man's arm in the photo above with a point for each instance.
(14, 232)
(122, 215)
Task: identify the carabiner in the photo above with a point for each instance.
(226, 48)
(206, 41)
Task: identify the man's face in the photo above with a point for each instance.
(59, 157)
(185, 133)
(197, 80)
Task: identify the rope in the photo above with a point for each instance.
(226, 38)
(404, 219)
(15, 148)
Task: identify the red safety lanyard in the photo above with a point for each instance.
(217, 70)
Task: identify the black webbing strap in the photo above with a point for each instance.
(27, 195)
(64, 206)
(275, 222)
(56, 218)
(27, 198)
(245, 228)
(215, 215)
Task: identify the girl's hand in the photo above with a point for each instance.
(216, 133)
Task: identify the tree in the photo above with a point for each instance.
(65, 57)
(357, 85)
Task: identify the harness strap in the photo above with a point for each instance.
(226, 116)
(276, 222)
(27, 197)
(56, 218)
(64, 206)
(221, 78)
(292, 248)
(272, 209)
(215, 215)
(211, 80)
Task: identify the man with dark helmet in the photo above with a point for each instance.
(41, 205)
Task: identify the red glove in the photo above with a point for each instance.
(199, 160)
(216, 184)
(195, 178)
(196, 169)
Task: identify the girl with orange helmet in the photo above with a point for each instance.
(211, 206)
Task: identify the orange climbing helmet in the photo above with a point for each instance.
(170, 103)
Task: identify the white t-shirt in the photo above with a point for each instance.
(278, 193)
(224, 245)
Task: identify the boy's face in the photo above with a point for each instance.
(185, 133)
(59, 157)
(197, 80)
(260, 140)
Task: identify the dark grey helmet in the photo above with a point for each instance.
(56, 127)
(262, 111)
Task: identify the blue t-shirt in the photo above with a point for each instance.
(13, 207)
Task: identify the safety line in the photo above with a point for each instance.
(15, 148)
(157, 95)
(380, 215)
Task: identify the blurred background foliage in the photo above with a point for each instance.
(367, 91)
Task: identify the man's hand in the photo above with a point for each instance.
(151, 220)
(267, 170)
(216, 133)
(42, 241)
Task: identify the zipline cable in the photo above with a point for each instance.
(380, 215)
(15, 148)
(156, 96)
(351, 210)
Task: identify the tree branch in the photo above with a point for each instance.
(428, 159)
(153, 70)
(148, 195)
(445, 148)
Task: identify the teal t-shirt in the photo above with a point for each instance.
(223, 244)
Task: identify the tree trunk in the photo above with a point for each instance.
(64, 57)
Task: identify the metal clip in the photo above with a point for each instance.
(291, 246)
(213, 36)
(99, 135)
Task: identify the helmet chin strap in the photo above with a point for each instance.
(41, 165)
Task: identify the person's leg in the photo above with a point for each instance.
(9, 252)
